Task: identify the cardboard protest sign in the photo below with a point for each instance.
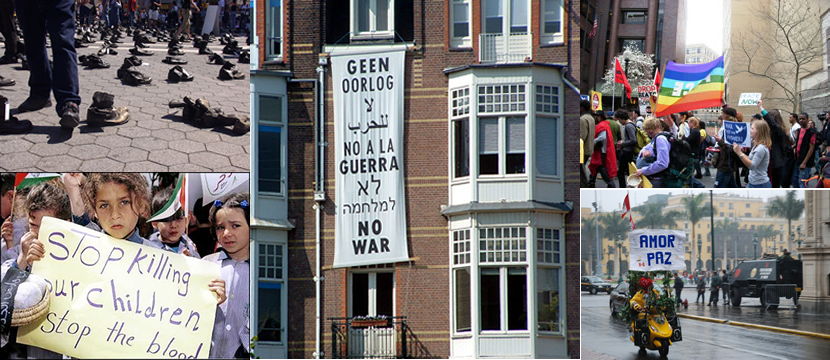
(112, 298)
(596, 101)
(656, 250)
(736, 133)
(749, 99)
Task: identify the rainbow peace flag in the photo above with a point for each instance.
(690, 87)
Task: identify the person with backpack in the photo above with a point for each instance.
(658, 169)
(626, 145)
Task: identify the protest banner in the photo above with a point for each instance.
(218, 185)
(749, 99)
(736, 133)
(656, 250)
(596, 101)
(112, 298)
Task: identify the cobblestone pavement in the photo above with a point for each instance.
(156, 139)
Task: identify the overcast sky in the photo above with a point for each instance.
(704, 23)
(610, 200)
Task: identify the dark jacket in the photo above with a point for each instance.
(780, 143)
(805, 148)
(701, 284)
(715, 282)
(678, 283)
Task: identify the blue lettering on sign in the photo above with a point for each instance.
(656, 241)
(659, 258)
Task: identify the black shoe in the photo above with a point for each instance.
(34, 104)
(8, 60)
(174, 61)
(242, 126)
(698, 176)
(175, 51)
(6, 82)
(216, 59)
(137, 51)
(14, 126)
(140, 44)
(69, 116)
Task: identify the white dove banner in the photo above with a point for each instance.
(370, 221)
(736, 133)
(657, 250)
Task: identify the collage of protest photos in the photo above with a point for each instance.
(126, 265)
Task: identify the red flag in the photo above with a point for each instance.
(627, 206)
(619, 77)
(657, 83)
(18, 178)
(593, 31)
(631, 221)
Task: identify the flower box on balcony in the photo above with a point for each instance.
(370, 323)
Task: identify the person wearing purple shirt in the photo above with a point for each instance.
(655, 169)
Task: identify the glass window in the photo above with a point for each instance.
(274, 21)
(548, 246)
(747, 205)
(547, 298)
(516, 298)
(553, 17)
(460, 18)
(493, 16)
(460, 102)
(634, 17)
(730, 206)
(462, 300)
(269, 292)
(503, 244)
(547, 99)
(490, 304)
(748, 215)
(547, 153)
(515, 145)
(270, 166)
(639, 44)
(461, 129)
(461, 246)
(501, 98)
(373, 15)
(518, 16)
(488, 144)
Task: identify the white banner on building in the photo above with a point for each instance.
(370, 226)
(657, 250)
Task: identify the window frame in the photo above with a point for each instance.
(372, 33)
(554, 38)
(281, 283)
(459, 113)
(461, 41)
(372, 272)
(504, 316)
(269, 56)
(506, 17)
(283, 148)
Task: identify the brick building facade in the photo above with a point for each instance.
(471, 171)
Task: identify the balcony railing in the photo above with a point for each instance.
(504, 48)
(353, 339)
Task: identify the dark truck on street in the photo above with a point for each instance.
(751, 278)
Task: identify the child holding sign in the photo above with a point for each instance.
(169, 233)
(230, 219)
(759, 156)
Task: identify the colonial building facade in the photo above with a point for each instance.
(409, 163)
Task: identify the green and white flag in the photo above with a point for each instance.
(175, 202)
(24, 180)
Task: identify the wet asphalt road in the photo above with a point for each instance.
(701, 340)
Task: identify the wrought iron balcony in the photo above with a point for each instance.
(372, 339)
(504, 48)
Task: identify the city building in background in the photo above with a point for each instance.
(486, 210)
(816, 253)
(815, 97)
(744, 219)
(655, 27)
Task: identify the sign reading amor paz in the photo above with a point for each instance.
(370, 226)
(112, 298)
(657, 250)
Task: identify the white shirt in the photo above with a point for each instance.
(794, 131)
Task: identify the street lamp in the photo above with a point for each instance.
(800, 240)
(699, 244)
(792, 237)
(618, 242)
(755, 243)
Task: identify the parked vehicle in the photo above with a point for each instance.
(751, 278)
(594, 284)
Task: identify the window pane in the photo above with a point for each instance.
(385, 286)
(547, 301)
(546, 149)
(270, 108)
(360, 294)
(462, 147)
(275, 29)
(460, 20)
(269, 308)
(518, 16)
(382, 15)
(490, 308)
(269, 159)
(517, 299)
(462, 299)
(362, 15)
(493, 15)
(515, 135)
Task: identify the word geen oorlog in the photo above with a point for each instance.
(370, 82)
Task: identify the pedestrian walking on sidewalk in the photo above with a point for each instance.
(714, 288)
(725, 288)
(701, 289)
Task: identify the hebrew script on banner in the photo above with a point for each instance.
(113, 298)
(370, 226)
(652, 250)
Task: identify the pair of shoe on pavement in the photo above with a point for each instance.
(199, 112)
(100, 113)
(178, 73)
(130, 74)
(230, 72)
(93, 61)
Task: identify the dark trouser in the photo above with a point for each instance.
(725, 180)
(603, 171)
(677, 295)
(7, 26)
(775, 176)
(622, 168)
(713, 296)
(701, 294)
(57, 18)
(726, 294)
(84, 12)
